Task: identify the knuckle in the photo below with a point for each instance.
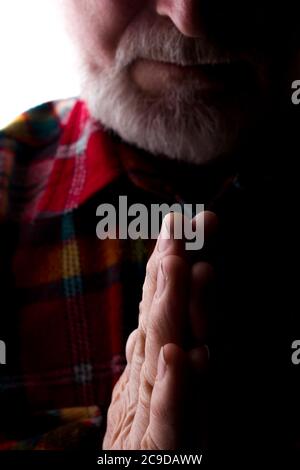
(142, 319)
(160, 322)
(150, 278)
(130, 344)
(148, 375)
(138, 356)
(149, 265)
(145, 389)
(142, 324)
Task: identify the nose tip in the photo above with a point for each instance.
(184, 14)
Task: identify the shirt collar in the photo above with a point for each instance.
(85, 161)
(88, 158)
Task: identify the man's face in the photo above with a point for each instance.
(181, 78)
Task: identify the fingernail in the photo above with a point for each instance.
(161, 280)
(161, 366)
(164, 236)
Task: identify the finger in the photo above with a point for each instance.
(135, 367)
(168, 311)
(208, 220)
(202, 276)
(205, 223)
(130, 344)
(198, 360)
(139, 386)
(167, 402)
(165, 326)
(166, 245)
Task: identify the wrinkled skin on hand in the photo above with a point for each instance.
(155, 404)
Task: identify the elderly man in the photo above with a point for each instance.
(183, 101)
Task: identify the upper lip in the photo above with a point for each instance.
(204, 62)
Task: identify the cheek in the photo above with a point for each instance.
(100, 24)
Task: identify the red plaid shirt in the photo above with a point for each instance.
(69, 300)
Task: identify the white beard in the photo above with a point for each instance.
(178, 124)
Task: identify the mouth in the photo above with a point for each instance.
(209, 76)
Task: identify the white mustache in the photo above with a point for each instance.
(164, 43)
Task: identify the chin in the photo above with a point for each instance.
(180, 123)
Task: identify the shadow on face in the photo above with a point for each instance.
(147, 65)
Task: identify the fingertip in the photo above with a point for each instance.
(210, 221)
(199, 358)
(173, 355)
(202, 272)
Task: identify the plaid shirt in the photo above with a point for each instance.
(69, 301)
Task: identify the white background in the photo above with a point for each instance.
(37, 61)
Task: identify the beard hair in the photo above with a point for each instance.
(179, 123)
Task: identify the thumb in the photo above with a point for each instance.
(166, 405)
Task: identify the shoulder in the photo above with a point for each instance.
(38, 126)
(27, 149)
